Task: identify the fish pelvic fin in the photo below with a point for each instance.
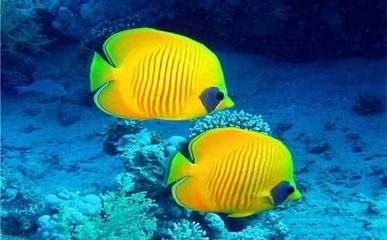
(179, 167)
(101, 72)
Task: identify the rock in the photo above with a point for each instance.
(67, 118)
(32, 111)
(383, 178)
(366, 104)
(52, 200)
(29, 129)
(281, 128)
(16, 71)
(20, 204)
(329, 126)
(175, 141)
(89, 204)
(115, 131)
(317, 146)
(45, 90)
(355, 140)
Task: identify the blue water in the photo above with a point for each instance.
(315, 72)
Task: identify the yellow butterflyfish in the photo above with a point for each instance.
(233, 171)
(156, 74)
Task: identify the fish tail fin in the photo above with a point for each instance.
(101, 72)
(179, 167)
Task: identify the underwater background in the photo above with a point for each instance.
(310, 73)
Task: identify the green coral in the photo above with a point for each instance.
(20, 27)
(123, 217)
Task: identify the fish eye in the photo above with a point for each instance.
(219, 96)
(290, 190)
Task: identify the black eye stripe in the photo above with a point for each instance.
(290, 190)
(211, 97)
(219, 96)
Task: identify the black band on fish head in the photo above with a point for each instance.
(220, 96)
(281, 192)
(210, 98)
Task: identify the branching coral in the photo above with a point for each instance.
(186, 230)
(265, 226)
(20, 27)
(229, 118)
(116, 130)
(144, 155)
(20, 203)
(114, 215)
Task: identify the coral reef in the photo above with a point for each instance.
(265, 226)
(145, 156)
(113, 215)
(116, 130)
(21, 204)
(93, 19)
(21, 26)
(187, 230)
(16, 71)
(266, 26)
(230, 118)
(103, 30)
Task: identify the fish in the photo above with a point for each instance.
(233, 171)
(154, 74)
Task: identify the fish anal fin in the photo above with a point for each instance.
(241, 214)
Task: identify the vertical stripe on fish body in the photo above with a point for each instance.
(234, 172)
(158, 75)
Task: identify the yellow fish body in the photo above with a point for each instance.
(233, 171)
(156, 74)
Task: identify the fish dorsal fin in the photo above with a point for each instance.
(217, 141)
(129, 43)
(118, 46)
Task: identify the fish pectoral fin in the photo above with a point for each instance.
(241, 214)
